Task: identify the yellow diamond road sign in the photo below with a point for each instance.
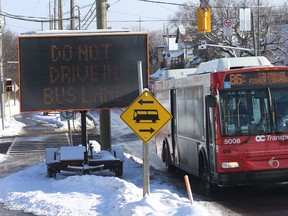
(146, 116)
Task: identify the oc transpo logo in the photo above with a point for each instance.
(260, 138)
(274, 163)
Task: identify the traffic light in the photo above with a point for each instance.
(203, 19)
(8, 85)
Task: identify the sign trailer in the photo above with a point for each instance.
(80, 71)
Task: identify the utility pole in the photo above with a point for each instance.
(79, 19)
(105, 122)
(258, 32)
(60, 15)
(50, 17)
(101, 16)
(1, 68)
(55, 14)
(140, 24)
(72, 21)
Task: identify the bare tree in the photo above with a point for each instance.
(155, 39)
(272, 29)
(10, 46)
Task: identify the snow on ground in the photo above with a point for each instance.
(70, 194)
(2, 157)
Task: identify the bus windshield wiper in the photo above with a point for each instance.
(254, 129)
(279, 118)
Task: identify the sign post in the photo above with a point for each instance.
(146, 161)
(15, 89)
(145, 116)
(67, 116)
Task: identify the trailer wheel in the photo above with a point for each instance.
(118, 170)
(51, 171)
(168, 166)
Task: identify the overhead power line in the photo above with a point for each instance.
(89, 17)
(39, 19)
(158, 20)
(32, 19)
(187, 5)
(170, 3)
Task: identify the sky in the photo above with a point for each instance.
(121, 14)
(69, 194)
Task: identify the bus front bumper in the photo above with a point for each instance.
(255, 177)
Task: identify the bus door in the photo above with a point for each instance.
(211, 132)
(174, 126)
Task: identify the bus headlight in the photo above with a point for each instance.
(229, 165)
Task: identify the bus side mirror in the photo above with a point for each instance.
(211, 101)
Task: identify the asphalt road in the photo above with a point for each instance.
(252, 200)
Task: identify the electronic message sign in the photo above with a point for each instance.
(81, 71)
(256, 78)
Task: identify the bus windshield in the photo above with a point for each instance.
(251, 112)
(244, 112)
(280, 107)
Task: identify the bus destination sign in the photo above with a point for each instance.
(80, 71)
(257, 78)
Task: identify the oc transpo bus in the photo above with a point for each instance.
(230, 125)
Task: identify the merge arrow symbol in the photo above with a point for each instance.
(145, 102)
(151, 130)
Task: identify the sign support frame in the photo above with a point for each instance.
(146, 162)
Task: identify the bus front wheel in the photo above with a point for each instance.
(207, 187)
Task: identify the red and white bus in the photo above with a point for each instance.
(229, 124)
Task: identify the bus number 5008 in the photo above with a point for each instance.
(232, 141)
